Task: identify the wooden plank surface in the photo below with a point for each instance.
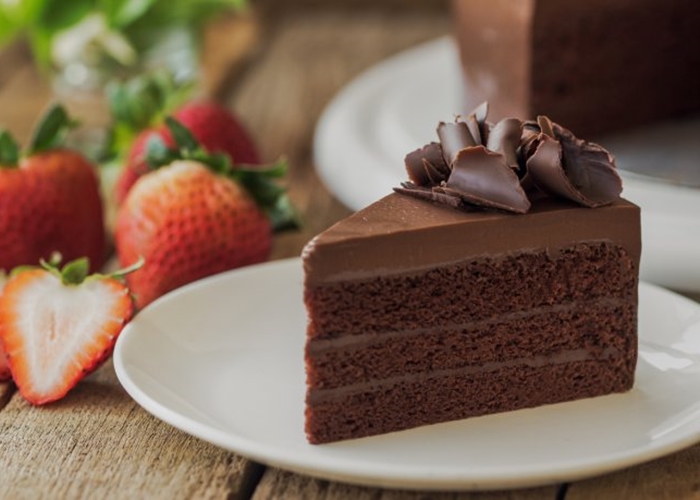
(277, 484)
(675, 477)
(98, 442)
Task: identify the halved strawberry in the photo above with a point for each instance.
(57, 326)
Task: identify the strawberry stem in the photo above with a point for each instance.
(119, 274)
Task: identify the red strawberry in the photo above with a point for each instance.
(215, 128)
(188, 222)
(57, 326)
(190, 219)
(4, 367)
(49, 199)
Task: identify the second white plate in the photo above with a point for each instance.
(394, 107)
(222, 359)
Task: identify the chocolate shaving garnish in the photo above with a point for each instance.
(453, 138)
(484, 178)
(428, 194)
(504, 138)
(528, 141)
(507, 165)
(480, 113)
(545, 125)
(590, 168)
(426, 166)
(574, 169)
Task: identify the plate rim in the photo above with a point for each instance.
(348, 470)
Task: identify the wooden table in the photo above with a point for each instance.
(97, 442)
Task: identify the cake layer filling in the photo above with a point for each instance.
(595, 327)
(320, 395)
(408, 403)
(469, 291)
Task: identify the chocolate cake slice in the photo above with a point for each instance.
(446, 300)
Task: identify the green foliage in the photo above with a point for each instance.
(140, 103)
(138, 20)
(9, 150)
(52, 129)
(50, 132)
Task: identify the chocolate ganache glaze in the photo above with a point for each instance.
(507, 164)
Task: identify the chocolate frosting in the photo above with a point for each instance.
(479, 164)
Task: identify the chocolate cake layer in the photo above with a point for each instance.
(594, 330)
(468, 292)
(597, 66)
(422, 401)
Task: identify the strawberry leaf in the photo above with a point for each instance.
(75, 271)
(143, 101)
(184, 139)
(9, 150)
(270, 196)
(282, 214)
(158, 154)
(51, 129)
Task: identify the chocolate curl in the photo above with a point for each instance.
(565, 166)
(504, 138)
(435, 194)
(453, 138)
(476, 122)
(482, 177)
(426, 166)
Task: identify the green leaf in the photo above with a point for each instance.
(271, 197)
(40, 41)
(135, 103)
(21, 14)
(9, 150)
(51, 129)
(158, 154)
(181, 135)
(75, 272)
(283, 216)
(120, 13)
(8, 28)
(57, 15)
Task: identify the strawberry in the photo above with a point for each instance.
(4, 367)
(57, 326)
(196, 216)
(216, 128)
(49, 198)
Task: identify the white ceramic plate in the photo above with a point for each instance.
(222, 359)
(393, 108)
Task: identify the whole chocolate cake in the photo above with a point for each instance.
(502, 276)
(597, 65)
